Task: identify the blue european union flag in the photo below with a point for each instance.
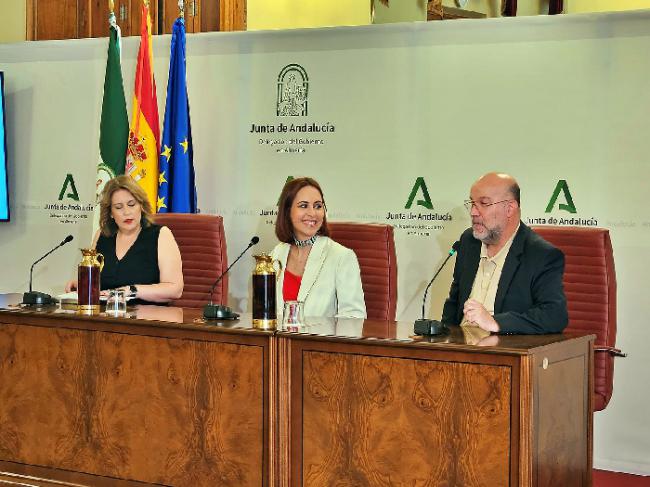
(176, 183)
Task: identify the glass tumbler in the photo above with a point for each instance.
(116, 302)
(292, 316)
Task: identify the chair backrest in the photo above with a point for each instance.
(202, 243)
(375, 248)
(590, 288)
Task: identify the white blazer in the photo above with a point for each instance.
(331, 283)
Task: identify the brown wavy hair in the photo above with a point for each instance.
(283, 226)
(107, 225)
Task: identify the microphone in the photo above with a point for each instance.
(219, 311)
(35, 297)
(433, 327)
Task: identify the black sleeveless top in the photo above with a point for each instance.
(138, 266)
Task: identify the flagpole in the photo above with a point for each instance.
(177, 179)
(114, 121)
(181, 7)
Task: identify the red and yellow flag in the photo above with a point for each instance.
(144, 132)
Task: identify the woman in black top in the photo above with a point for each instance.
(139, 257)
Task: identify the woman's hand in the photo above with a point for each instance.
(71, 286)
(126, 290)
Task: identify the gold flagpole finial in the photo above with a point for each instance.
(111, 6)
(181, 8)
(146, 3)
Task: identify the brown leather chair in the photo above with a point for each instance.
(202, 243)
(590, 288)
(375, 248)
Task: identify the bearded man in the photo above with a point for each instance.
(507, 279)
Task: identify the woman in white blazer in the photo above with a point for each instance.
(314, 268)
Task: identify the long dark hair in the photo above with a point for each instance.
(283, 226)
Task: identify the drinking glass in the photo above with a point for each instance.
(116, 302)
(292, 317)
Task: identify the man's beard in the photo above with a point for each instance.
(492, 236)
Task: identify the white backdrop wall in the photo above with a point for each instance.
(546, 99)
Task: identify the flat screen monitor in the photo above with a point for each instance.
(4, 181)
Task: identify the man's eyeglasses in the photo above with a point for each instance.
(482, 205)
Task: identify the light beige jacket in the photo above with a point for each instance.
(331, 283)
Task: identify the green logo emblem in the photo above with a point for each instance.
(568, 206)
(73, 194)
(426, 201)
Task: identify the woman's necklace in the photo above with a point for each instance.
(307, 242)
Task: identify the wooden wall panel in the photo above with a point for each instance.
(171, 411)
(93, 18)
(129, 16)
(55, 19)
(70, 19)
(193, 14)
(210, 15)
(387, 421)
(123, 16)
(169, 14)
(232, 15)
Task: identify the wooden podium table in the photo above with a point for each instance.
(161, 398)
(367, 404)
(151, 399)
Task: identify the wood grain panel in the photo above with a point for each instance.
(170, 411)
(122, 9)
(525, 433)
(133, 21)
(283, 414)
(386, 421)
(134, 17)
(562, 424)
(210, 15)
(55, 19)
(232, 15)
(170, 12)
(93, 18)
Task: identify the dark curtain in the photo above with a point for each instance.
(555, 7)
(509, 8)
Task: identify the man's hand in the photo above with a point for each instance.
(476, 313)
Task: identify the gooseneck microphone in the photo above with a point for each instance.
(433, 327)
(35, 297)
(219, 311)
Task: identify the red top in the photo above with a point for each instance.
(290, 286)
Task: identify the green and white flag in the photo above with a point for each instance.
(114, 125)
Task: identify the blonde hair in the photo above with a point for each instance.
(107, 225)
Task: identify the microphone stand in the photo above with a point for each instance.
(219, 311)
(36, 297)
(433, 327)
